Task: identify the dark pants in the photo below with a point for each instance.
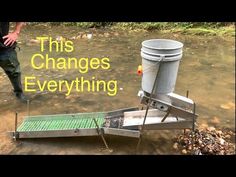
(11, 66)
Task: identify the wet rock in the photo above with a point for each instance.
(34, 41)
(60, 38)
(219, 132)
(199, 142)
(89, 36)
(221, 152)
(73, 38)
(211, 151)
(204, 150)
(82, 36)
(229, 105)
(116, 34)
(215, 120)
(197, 152)
(106, 34)
(184, 151)
(227, 136)
(222, 141)
(211, 128)
(203, 126)
(189, 148)
(208, 141)
(183, 142)
(175, 146)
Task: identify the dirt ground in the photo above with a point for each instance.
(204, 57)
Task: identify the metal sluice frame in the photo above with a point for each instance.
(94, 124)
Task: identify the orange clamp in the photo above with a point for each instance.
(140, 70)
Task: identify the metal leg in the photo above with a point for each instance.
(28, 108)
(193, 126)
(15, 133)
(187, 93)
(164, 118)
(148, 105)
(100, 133)
(194, 111)
(16, 116)
(141, 131)
(177, 118)
(139, 141)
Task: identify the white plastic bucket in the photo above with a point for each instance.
(160, 57)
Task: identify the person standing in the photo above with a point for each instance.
(8, 57)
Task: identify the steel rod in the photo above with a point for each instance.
(101, 134)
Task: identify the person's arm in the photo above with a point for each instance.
(12, 37)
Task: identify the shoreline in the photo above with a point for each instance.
(189, 28)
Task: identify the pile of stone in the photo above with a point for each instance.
(207, 141)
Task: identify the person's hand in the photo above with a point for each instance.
(10, 39)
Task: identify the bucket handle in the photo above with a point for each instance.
(162, 58)
(156, 63)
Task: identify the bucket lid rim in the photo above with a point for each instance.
(158, 58)
(181, 44)
(166, 55)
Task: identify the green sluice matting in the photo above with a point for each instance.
(61, 122)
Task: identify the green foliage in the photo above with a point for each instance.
(198, 28)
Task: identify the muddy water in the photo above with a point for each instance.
(207, 70)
